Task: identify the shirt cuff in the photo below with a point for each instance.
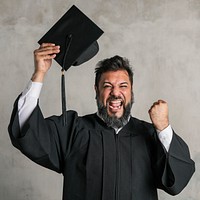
(32, 89)
(165, 136)
(28, 101)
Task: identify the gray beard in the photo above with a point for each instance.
(113, 121)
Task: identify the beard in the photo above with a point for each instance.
(113, 121)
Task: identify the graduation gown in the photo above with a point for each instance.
(97, 163)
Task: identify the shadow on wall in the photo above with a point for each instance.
(196, 182)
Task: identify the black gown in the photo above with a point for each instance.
(97, 163)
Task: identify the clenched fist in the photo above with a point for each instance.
(159, 115)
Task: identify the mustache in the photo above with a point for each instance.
(113, 97)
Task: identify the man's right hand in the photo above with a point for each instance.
(43, 60)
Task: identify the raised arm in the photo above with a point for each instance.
(28, 100)
(173, 169)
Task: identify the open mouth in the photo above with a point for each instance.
(115, 104)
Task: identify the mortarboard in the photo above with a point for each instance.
(77, 37)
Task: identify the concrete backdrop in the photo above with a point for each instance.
(161, 38)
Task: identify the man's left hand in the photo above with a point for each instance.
(159, 115)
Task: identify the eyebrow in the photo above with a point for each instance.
(124, 83)
(107, 82)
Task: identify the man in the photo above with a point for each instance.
(108, 155)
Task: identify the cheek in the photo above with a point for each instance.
(127, 96)
(103, 97)
(100, 96)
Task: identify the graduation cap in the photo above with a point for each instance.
(77, 37)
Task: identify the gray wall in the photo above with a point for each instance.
(161, 38)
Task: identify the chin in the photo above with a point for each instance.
(116, 115)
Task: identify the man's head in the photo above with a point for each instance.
(113, 85)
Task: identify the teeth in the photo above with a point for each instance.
(115, 104)
(114, 107)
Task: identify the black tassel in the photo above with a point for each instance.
(63, 98)
(64, 114)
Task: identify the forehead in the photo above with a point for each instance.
(115, 77)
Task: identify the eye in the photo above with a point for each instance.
(107, 86)
(123, 86)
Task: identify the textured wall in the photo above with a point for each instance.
(160, 38)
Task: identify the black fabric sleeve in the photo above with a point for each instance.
(174, 168)
(44, 141)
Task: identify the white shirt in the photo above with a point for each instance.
(29, 98)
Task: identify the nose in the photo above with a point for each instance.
(115, 92)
